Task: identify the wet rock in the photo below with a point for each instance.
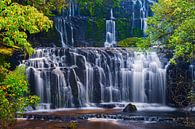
(74, 87)
(107, 105)
(130, 108)
(178, 84)
(138, 118)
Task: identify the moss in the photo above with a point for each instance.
(122, 28)
(96, 31)
(100, 25)
(129, 42)
(98, 8)
(140, 43)
(137, 32)
(130, 108)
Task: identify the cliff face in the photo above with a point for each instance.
(179, 84)
(76, 26)
(130, 17)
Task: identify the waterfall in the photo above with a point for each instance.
(142, 14)
(61, 27)
(64, 25)
(110, 31)
(83, 76)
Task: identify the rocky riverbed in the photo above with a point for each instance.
(108, 119)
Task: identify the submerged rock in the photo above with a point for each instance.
(130, 108)
(107, 106)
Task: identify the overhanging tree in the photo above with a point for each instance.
(45, 6)
(17, 22)
(173, 27)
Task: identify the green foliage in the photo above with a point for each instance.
(192, 97)
(3, 71)
(73, 125)
(140, 43)
(45, 6)
(90, 5)
(137, 32)
(96, 6)
(122, 23)
(98, 26)
(129, 42)
(12, 99)
(173, 24)
(16, 21)
(143, 44)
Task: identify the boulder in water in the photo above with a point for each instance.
(130, 108)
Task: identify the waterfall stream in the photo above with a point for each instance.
(84, 76)
(110, 31)
(141, 15)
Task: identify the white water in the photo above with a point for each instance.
(110, 31)
(84, 76)
(143, 13)
(140, 107)
(65, 27)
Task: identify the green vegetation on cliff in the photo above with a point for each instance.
(140, 43)
(96, 7)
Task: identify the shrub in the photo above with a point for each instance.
(14, 96)
(141, 43)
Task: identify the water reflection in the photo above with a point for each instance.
(101, 123)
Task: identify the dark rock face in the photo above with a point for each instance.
(15, 59)
(73, 82)
(179, 84)
(82, 29)
(45, 39)
(130, 108)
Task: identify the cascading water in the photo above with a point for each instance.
(142, 14)
(110, 31)
(61, 27)
(65, 27)
(83, 76)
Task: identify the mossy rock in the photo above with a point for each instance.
(130, 108)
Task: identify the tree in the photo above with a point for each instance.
(173, 26)
(45, 6)
(17, 22)
(14, 96)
